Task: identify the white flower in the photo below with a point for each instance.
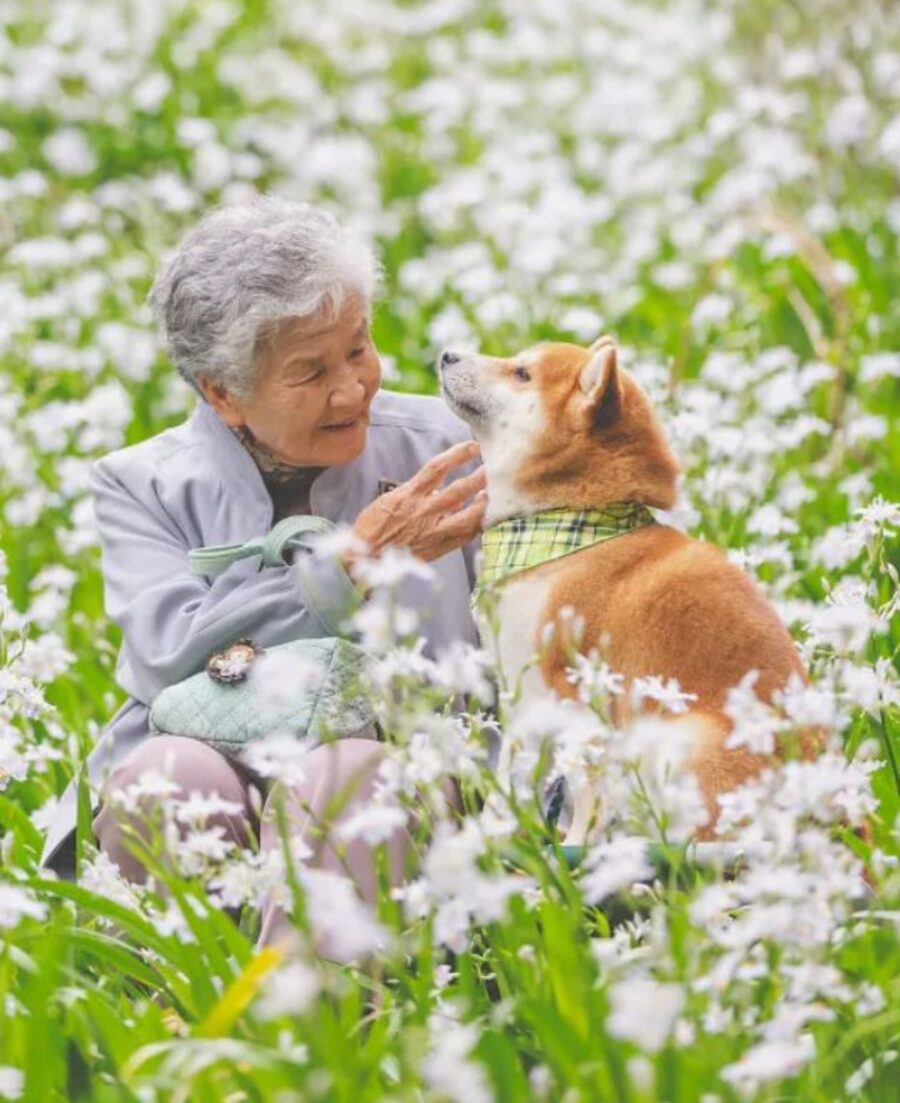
(342, 540)
(17, 904)
(447, 1069)
(237, 881)
(149, 93)
(465, 669)
(858, 1079)
(12, 1082)
(393, 566)
(838, 547)
(768, 520)
(846, 626)
(453, 883)
(711, 310)
(880, 365)
(45, 658)
(173, 921)
(755, 724)
(666, 692)
(152, 789)
(290, 990)
(878, 516)
(13, 762)
(198, 807)
(594, 678)
(280, 678)
(496, 819)
(586, 324)
(42, 817)
(69, 152)
(101, 875)
(381, 622)
(614, 865)
(201, 849)
(280, 757)
(373, 822)
(450, 862)
(809, 706)
(534, 722)
(889, 143)
(848, 122)
(344, 926)
(767, 1061)
(643, 1011)
(664, 795)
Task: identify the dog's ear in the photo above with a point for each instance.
(600, 383)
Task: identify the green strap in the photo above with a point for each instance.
(215, 558)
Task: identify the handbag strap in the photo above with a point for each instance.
(215, 558)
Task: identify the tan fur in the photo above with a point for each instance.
(656, 602)
(580, 463)
(653, 601)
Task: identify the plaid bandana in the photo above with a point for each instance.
(520, 543)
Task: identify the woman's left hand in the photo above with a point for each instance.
(424, 516)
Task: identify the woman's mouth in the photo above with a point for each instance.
(344, 426)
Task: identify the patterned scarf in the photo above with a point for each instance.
(521, 543)
(288, 484)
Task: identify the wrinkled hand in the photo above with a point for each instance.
(424, 516)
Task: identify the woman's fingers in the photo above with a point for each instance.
(424, 516)
(433, 473)
(461, 527)
(460, 490)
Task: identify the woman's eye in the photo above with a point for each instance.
(357, 353)
(522, 374)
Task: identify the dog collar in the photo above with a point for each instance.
(521, 543)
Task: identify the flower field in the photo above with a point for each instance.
(716, 185)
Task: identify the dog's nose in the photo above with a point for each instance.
(448, 358)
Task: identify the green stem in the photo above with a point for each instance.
(890, 750)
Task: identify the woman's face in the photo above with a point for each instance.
(315, 382)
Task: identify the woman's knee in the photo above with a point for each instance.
(335, 776)
(186, 764)
(338, 778)
(156, 777)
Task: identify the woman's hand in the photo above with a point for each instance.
(420, 514)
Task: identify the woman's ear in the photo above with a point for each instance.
(229, 408)
(600, 383)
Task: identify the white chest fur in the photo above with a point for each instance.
(514, 640)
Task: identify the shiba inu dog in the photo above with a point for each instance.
(574, 454)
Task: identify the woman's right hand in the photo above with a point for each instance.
(422, 515)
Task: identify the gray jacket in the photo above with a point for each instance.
(195, 485)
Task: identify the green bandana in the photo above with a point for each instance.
(520, 543)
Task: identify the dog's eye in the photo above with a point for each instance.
(522, 374)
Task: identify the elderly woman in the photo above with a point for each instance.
(266, 313)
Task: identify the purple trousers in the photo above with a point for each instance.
(340, 774)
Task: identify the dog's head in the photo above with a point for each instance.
(560, 425)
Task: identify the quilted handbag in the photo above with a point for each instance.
(230, 714)
(223, 705)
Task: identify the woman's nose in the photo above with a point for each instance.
(349, 390)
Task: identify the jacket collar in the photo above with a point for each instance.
(338, 492)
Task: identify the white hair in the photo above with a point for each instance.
(243, 270)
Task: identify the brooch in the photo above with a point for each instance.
(233, 664)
